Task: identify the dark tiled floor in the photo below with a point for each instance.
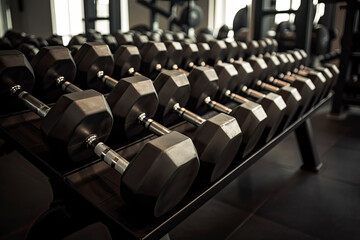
(271, 200)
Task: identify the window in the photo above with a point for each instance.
(67, 18)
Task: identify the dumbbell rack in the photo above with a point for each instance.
(89, 192)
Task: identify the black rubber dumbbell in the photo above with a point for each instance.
(154, 59)
(78, 123)
(222, 132)
(272, 103)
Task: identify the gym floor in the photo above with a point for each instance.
(273, 199)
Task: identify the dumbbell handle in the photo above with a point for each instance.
(217, 106)
(253, 93)
(235, 97)
(100, 149)
(34, 104)
(148, 123)
(152, 125)
(109, 156)
(188, 115)
(289, 78)
(67, 86)
(267, 86)
(278, 82)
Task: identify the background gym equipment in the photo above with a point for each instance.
(190, 16)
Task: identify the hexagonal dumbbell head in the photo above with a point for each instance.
(110, 40)
(253, 48)
(216, 140)
(204, 37)
(232, 51)
(204, 51)
(14, 70)
(190, 54)
(319, 81)
(124, 38)
(217, 52)
(245, 72)
(242, 49)
(262, 46)
(49, 64)
(28, 50)
(77, 40)
(284, 66)
(275, 108)
(228, 78)
(70, 121)
(268, 43)
(291, 60)
(297, 57)
(161, 173)
(303, 55)
(74, 49)
(154, 36)
(252, 120)
(306, 88)
(273, 64)
(259, 66)
(328, 76)
(204, 83)
(167, 36)
(154, 57)
(275, 45)
(291, 98)
(126, 57)
(131, 97)
(140, 40)
(179, 36)
(335, 72)
(90, 59)
(172, 87)
(174, 54)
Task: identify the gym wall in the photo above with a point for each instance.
(34, 17)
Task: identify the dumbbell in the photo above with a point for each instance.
(78, 123)
(320, 80)
(222, 132)
(224, 141)
(110, 40)
(55, 66)
(272, 103)
(332, 67)
(265, 67)
(245, 112)
(217, 138)
(330, 71)
(300, 69)
(305, 86)
(316, 78)
(124, 38)
(247, 77)
(228, 82)
(128, 57)
(28, 50)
